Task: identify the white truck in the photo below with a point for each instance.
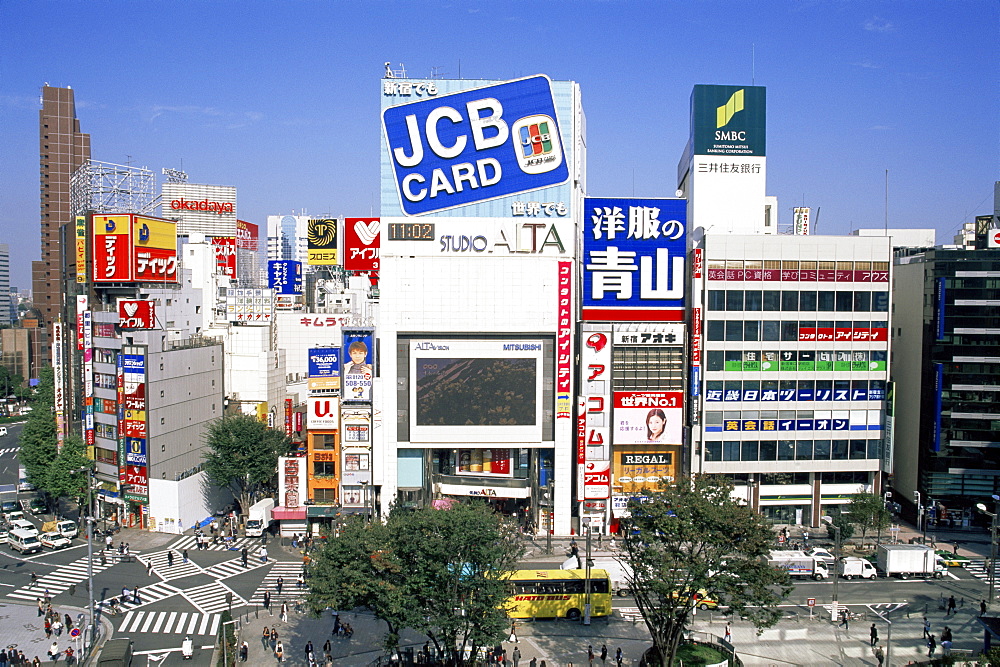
(259, 517)
(853, 566)
(618, 573)
(910, 560)
(799, 564)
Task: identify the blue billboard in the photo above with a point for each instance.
(475, 145)
(324, 362)
(634, 259)
(284, 276)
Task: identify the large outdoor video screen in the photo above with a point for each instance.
(475, 390)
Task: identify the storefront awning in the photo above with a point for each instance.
(332, 511)
(481, 491)
(289, 513)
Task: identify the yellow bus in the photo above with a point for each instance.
(558, 593)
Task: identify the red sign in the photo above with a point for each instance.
(112, 248)
(246, 235)
(136, 314)
(361, 244)
(134, 248)
(698, 263)
(597, 480)
(581, 430)
(225, 255)
(288, 416)
(136, 476)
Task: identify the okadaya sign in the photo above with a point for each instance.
(475, 145)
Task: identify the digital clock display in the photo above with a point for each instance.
(411, 231)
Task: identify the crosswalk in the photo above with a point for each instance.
(9, 450)
(979, 568)
(170, 622)
(224, 544)
(58, 581)
(213, 597)
(231, 568)
(147, 595)
(289, 573)
(166, 571)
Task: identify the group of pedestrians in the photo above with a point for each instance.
(15, 658)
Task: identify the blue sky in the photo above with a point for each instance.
(281, 99)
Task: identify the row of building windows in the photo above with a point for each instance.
(795, 330)
(791, 450)
(648, 368)
(842, 301)
(788, 478)
(794, 390)
(796, 265)
(796, 360)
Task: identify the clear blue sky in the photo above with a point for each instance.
(281, 99)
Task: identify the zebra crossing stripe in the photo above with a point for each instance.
(169, 623)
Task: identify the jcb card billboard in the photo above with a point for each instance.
(475, 145)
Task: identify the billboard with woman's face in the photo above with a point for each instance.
(648, 417)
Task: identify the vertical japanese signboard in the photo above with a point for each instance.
(593, 445)
(284, 276)
(132, 435)
(59, 380)
(359, 365)
(321, 238)
(634, 256)
(225, 255)
(564, 339)
(81, 248)
(112, 248)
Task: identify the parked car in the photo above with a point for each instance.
(54, 540)
(37, 506)
(8, 506)
(824, 555)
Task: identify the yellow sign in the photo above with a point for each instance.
(154, 233)
(322, 242)
(725, 113)
(262, 411)
(81, 248)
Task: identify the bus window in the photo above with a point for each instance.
(599, 586)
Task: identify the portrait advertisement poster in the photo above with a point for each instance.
(359, 365)
(648, 417)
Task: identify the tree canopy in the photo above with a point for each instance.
(243, 455)
(867, 511)
(437, 571)
(693, 538)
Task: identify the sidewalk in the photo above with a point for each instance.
(24, 628)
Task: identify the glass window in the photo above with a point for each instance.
(859, 449)
(734, 356)
(821, 450)
(841, 390)
(734, 330)
(769, 330)
(786, 450)
(839, 451)
(714, 360)
(769, 386)
(772, 300)
(714, 330)
(789, 300)
(713, 450)
(751, 330)
(754, 300)
(716, 299)
(807, 300)
(768, 450)
(862, 302)
(880, 302)
(824, 390)
(734, 299)
(733, 391)
(790, 330)
(748, 450)
(874, 449)
(803, 450)
(730, 451)
(845, 302)
(824, 301)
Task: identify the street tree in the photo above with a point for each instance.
(868, 512)
(243, 455)
(437, 571)
(38, 438)
(67, 477)
(691, 539)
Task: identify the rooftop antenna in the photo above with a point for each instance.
(437, 72)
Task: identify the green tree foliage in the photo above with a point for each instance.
(38, 439)
(12, 384)
(243, 455)
(867, 511)
(439, 572)
(692, 538)
(67, 476)
(842, 521)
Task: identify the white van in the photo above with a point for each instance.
(67, 529)
(23, 541)
(23, 525)
(3, 430)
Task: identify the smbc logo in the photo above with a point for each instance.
(725, 113)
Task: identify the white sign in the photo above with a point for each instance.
(324, 413)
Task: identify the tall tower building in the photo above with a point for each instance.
(5, 296)
(62, 149)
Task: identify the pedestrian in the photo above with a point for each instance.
(41, 609)
(590, 655)
(927, 628)
(513, 632)
(149, 567)
(278, 584)
(982, 607)
(135, 595)
(309, 650)
(516, 656)
(104, 559)
(879, 655)
(533, 662)
(262, 552)
(845, 620)
(279, 652)
(274, 635)
(184, 555)
(54, 651)
(265, 636)
(729, 632)
(931, 645)
(121, 548)
(946, 640)
(267, 601)
(170, 558)
(108, 542)
(128, 549)
(243, 556)
(284, 612)
(300, 581)
(48, 628)
(3, 657)
(874, 635)
(951, 606)
(327, 647)
(604, 652)
(618, 657)
(244, 651)
(69, 622)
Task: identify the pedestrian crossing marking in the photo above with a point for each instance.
(147, 595)
(212, 597)
(170, 623)
(9, 450)
(190, 543)
(166, 571)
(58, 581)
(289, 572)
(231, 568)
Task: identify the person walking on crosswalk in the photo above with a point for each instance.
(243, 556)
(278, 584)
(267, 601)
(284, 612)
(170, 558)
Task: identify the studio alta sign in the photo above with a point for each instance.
(201, 205)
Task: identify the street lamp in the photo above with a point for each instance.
(888, 635)
(993, 538)
(833, 608)
(921, 519)
(364, 499)
(91, 524)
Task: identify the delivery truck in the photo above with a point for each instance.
(259, 517)
(799, 564)
(910, 560)
(617, 571)
(853, 566)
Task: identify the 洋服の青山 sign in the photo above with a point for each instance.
(201, 205)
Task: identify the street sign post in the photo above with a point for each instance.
(811, 602)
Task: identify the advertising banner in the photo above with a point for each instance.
(135, 451)
(800, 220)
(359, 364)
(225, 255)
(253, 306)
(564, 340)
(484, 462)
(596, 363)
(637, 468)
(475, 145)
(246, 235)
(288, 417)
(324, 369)
(324, 413)
(285, 276)
(362, 240)
(137, 479)
(155, 252)
(647, 417)
(321, 237)
(292, 481)
(81, 248)
(634, 256)
(597, 480)
(356, 426)
(112, 248)
(137, 313)
(59, 371)
(728, 120)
